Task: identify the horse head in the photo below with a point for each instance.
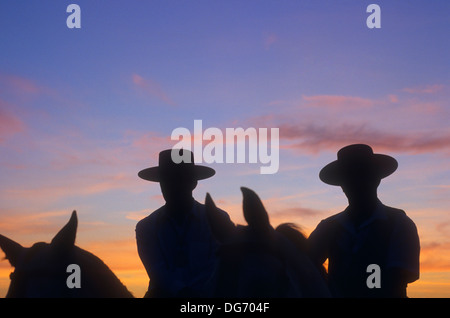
(42, 269)
(256, 260)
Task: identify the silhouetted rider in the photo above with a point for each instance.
(366, 232)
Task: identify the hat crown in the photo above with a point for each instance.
(176, 163)
(166, 157)
(355, 152)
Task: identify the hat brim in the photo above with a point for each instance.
(156, 174)
(334, 174)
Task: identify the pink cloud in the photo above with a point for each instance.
(73, 150)
(297, 212)
(328, 122)
(52, 187)
(269, 40)
(314, 134)
(77, 166)
(19, 84)
(393, 98)
(427, 89)
(315, 138)
(149, 141)
(338, 102)
(152, 88)
(37, 222)
(9, 123)
(22, 88)
(425, 108)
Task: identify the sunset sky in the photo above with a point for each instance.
(83, 110)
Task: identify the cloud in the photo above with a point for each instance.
(55, 187)
(23, 90)
(10, 124)
(148, 143)
(320, 123)
(72, 150)
(427, 89)
(152, 88)
(19, 84)
(444, 227)
(42, 107)
(74, 166)
(435, 256)
(137, 215)
(297, 212)
(20, 223)
(393, 98)
(269, 40)
(338, 102)
(315, 138)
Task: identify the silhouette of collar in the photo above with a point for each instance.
(379, 213)
(189, 214)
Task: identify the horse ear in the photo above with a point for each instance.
(12, 250)
(220, 225)
(66, 236)
(254, 212)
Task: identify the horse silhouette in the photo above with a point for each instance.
(300, 241)
(41, 270)
(258, 261)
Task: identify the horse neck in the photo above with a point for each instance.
(97, 278)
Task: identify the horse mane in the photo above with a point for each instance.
(294, 234)
(96, 277)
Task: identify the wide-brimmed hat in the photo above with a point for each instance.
(358, 158)
(168, 168)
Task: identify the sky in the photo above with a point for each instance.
(82, 110)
